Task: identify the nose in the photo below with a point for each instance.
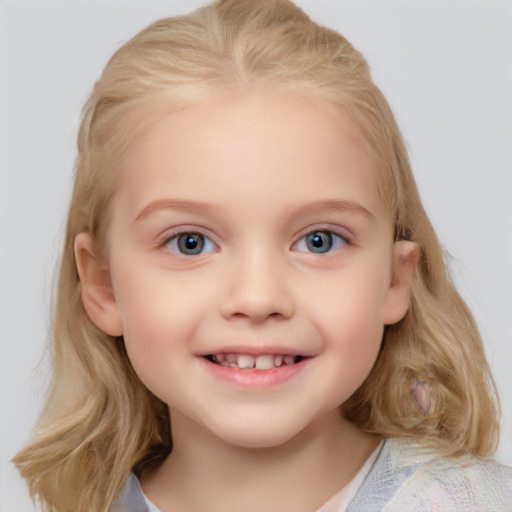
(258, 289)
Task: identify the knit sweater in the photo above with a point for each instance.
(405, 479)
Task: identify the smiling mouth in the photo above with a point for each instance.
(250, 362)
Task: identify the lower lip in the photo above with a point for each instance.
(255, 378)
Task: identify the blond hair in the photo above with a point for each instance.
(100, 422)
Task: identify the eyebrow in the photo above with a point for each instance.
(330, 205)
(334, 205)
(170, 204)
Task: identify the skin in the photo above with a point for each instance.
(253, 171)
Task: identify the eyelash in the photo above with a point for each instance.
(201, 244)
(335, 241)
(175, 243)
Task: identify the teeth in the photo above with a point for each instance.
(248, 362)
(231, 358)
(245, 362)
(265, 362)
(289, 360)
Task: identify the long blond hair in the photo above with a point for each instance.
(99, 422)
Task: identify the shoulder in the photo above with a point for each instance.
(404, 479)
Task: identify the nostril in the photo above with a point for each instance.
(257, 315)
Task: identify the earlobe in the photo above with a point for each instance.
(398, 298)
(97, 295)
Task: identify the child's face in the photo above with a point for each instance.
(248, 229)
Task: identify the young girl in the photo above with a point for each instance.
(253, 309)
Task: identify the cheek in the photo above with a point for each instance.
(353, 344)
(349, 318)
(153, 338)
(154, 319)
(148, 341)
(356, 342)
(353, 301)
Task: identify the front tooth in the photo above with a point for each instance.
(245, 362)
(265, 362)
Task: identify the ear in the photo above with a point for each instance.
(97, 295)
(398, 299)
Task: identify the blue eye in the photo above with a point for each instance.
(320, 242)
(190, 244)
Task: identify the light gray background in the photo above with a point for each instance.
(445, 67)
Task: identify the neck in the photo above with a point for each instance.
(205, 473)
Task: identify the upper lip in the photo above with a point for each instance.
(256, 351)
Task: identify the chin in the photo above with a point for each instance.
(256, 435)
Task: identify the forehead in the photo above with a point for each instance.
(252, 142)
